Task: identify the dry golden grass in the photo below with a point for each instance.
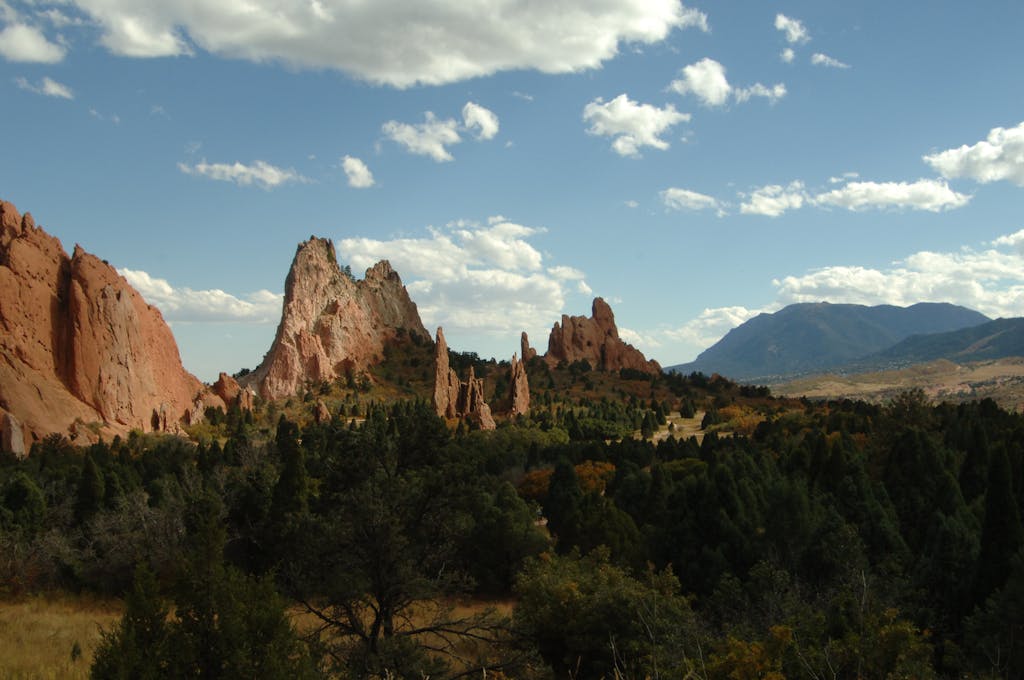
(38, 634)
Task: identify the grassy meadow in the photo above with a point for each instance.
(39, 634)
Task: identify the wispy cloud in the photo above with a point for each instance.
(685, 199)
(820, 59)
(258, 173)
(46, 87)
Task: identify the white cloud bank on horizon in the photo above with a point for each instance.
(391, 42)
(210, 306)
(1000, 156)
(989, 280)
(631, 125)
(706, 80)
(259, 173)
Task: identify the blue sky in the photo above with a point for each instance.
(693, 164)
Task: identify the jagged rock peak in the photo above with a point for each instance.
(596, 341)
(519, 388)
(333, 325)
(453, 398)
(80, 344)
(525, 350)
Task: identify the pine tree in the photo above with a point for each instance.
(137, 647)
(89, 497)
(1001, 533)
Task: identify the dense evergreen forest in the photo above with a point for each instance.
(828, 540)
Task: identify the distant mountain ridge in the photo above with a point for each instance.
(813, 337)
(993, 340)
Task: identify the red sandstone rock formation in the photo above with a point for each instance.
(595, 340)
(79, 343)
(519, 387)
(230, 392)
(455, 399)
(525, 350)
(331, 325)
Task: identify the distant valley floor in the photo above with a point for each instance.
(1001, 380)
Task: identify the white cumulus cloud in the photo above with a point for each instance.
(393, 42)
(1014, 240)
(924, 194)
(433, 136)
(787, 55)
(23, 43)
(796, 32)
(774, 199)
(631, 124)
(46, 87)
(359, 176)
(429, 138)
(260, 173)
(467, 276)
(188, 305)
(483, 120)
(1000, 156)
(820, 59)
(706, 81)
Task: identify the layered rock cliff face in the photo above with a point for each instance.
(332, 325)
(78, 343)
(595, 340)
(456, 399)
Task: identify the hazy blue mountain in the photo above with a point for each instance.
(814, 337)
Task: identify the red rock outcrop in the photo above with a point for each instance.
(456, 399)
(525, 350)
(519, 387)
(230, 392)
(595, 340)
(332, 325)
(79, 343)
